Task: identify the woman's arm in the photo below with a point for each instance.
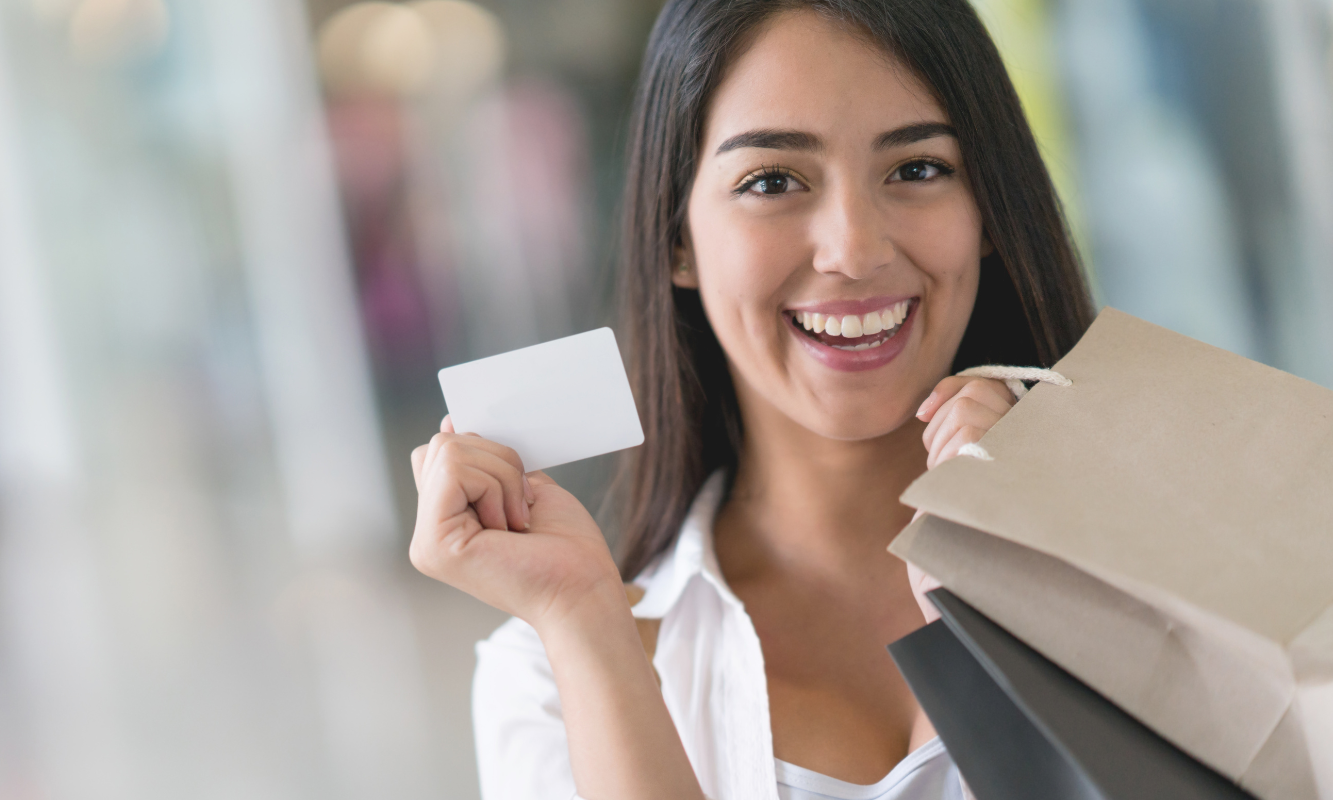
(959, 411)
(526, 546)
(622, 742)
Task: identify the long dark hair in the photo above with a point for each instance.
(1032, 302)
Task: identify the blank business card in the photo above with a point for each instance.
(555, 402)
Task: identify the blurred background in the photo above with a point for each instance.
(238, 238)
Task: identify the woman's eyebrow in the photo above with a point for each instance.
(769, 139)
(913, 133)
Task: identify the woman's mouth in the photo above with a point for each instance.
(855, 342)
(851, 332)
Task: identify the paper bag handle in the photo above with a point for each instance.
(1016, 379)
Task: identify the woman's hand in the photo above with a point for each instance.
(958, 412)
(519, 543)
(526, 546)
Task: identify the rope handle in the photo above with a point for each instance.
(1016, 380)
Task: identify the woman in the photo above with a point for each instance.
(832, 205)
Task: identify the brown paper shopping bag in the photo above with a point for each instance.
(1162, 528)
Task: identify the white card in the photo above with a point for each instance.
(554, 402)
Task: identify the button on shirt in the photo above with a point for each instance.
(713, 682)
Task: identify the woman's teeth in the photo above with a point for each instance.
(855, 327)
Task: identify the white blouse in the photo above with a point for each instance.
(926, 772)
(713, 681)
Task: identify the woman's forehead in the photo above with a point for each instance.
(805, 72)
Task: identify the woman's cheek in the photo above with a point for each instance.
(732, 296)
(946, 246)
(742, 271)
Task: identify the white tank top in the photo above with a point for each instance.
(926, 774)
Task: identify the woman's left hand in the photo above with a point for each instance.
(958, 412)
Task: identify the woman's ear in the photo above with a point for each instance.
(987, 247)
(683, 274)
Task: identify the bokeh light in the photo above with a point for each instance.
(445, 46)
(470, 45)
(109, 31)
(376, 47)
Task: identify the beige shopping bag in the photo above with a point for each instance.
(1163, 529)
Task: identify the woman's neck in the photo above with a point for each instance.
(805, 503)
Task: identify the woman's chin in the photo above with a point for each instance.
(858, 424)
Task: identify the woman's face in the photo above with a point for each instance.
(832, 233)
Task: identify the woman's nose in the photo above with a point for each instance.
(851, 235)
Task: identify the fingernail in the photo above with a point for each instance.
(922, 409)
(527, 516)
(527, 491)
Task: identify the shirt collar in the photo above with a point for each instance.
(693, 554)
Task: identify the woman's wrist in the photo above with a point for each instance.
(585, 615)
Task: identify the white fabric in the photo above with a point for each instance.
(926, 772)
(713, 682)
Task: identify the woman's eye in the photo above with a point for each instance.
(918, 171)
(773, 183)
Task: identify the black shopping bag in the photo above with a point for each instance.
(1021, 728)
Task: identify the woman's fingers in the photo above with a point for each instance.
(517, 510)
(506, 509)
(507, 453)
(941, 394)
(486, 495)
(978, 402)
(510, 457)
(992, 393)
(960, 415)
(456, 552)
(451, 488)
(964, 435)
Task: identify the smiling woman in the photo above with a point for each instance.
(1032, 301)
(831, 206)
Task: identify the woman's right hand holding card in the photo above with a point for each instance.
(526, 546)
(517, 542)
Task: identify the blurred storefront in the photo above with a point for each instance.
(238, 238)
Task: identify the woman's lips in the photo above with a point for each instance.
(876, 321)
(843, 307)
(852, 343)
